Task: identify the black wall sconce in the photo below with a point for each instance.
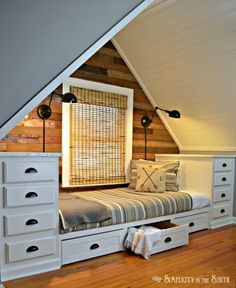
(44, 111)
(146, 121)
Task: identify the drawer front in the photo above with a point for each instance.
(30, 249)
(194, 222)
(28, 171)
(172, 237)
(221, 211)
(90, 246)
(27, 196)
(224, 164)
(27, 223)
(222, 194)
(223, 178)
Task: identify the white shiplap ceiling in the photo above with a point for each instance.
(183, 53)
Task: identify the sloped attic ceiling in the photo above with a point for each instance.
(44, 42)
(184, 54)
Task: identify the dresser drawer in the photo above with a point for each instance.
(172, 236)
(30, 249)
(223, 178)
(28, 171)
(28, 195)
(195, 222)
(221, 211)
(27, 223)
(221, 194)
(223, 164)
(91, 246)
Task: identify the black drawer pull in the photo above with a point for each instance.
(30, 170)
(191, 224)
(224, 179)
(31, 222)
(222, 211)
(94, 246)
(224, 165)
(223, 195)
(31, 195)
(32, 249)
(168, 239)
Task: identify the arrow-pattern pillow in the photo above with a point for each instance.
(171, 168)
(150, 178)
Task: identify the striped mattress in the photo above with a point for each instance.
(127, 205)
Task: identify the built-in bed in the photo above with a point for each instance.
(94, 223)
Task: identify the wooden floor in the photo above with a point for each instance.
(208, 261)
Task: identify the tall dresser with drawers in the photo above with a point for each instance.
(212, 175)
(29, 234)
(222, 190)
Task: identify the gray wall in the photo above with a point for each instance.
(39, 39)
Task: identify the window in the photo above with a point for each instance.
(97, 134)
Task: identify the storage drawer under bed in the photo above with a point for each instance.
(195, 222)
(172, 236)
(91, 246)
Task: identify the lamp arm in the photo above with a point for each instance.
(164, 110)
(56, 93)
(153, 113)
(50, 101)
(52, 94)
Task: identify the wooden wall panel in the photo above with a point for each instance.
(108, 67)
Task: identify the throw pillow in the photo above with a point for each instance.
(150, 178)
(133, 171)
(169, 166)
(171, 182)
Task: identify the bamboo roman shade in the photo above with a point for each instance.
(97, 137)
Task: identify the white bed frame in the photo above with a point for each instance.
(85, 244)
(90, 243)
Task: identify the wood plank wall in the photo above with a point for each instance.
(105, 66)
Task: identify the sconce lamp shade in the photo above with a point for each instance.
(146, 121)
(174, 114)
(68, 98)
(44, 111)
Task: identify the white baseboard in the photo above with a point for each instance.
(29, 270)
(222, 222)
(234, 220)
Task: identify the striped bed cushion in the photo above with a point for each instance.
(126, 205)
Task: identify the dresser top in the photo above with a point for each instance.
(29, 154)
(197, 155)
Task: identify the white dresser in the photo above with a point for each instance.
(212, 175)
(222, 190)
(29, 234)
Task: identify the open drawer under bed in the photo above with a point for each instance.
(94, 245)
(172, 236)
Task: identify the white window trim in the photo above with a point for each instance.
(66, 124)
